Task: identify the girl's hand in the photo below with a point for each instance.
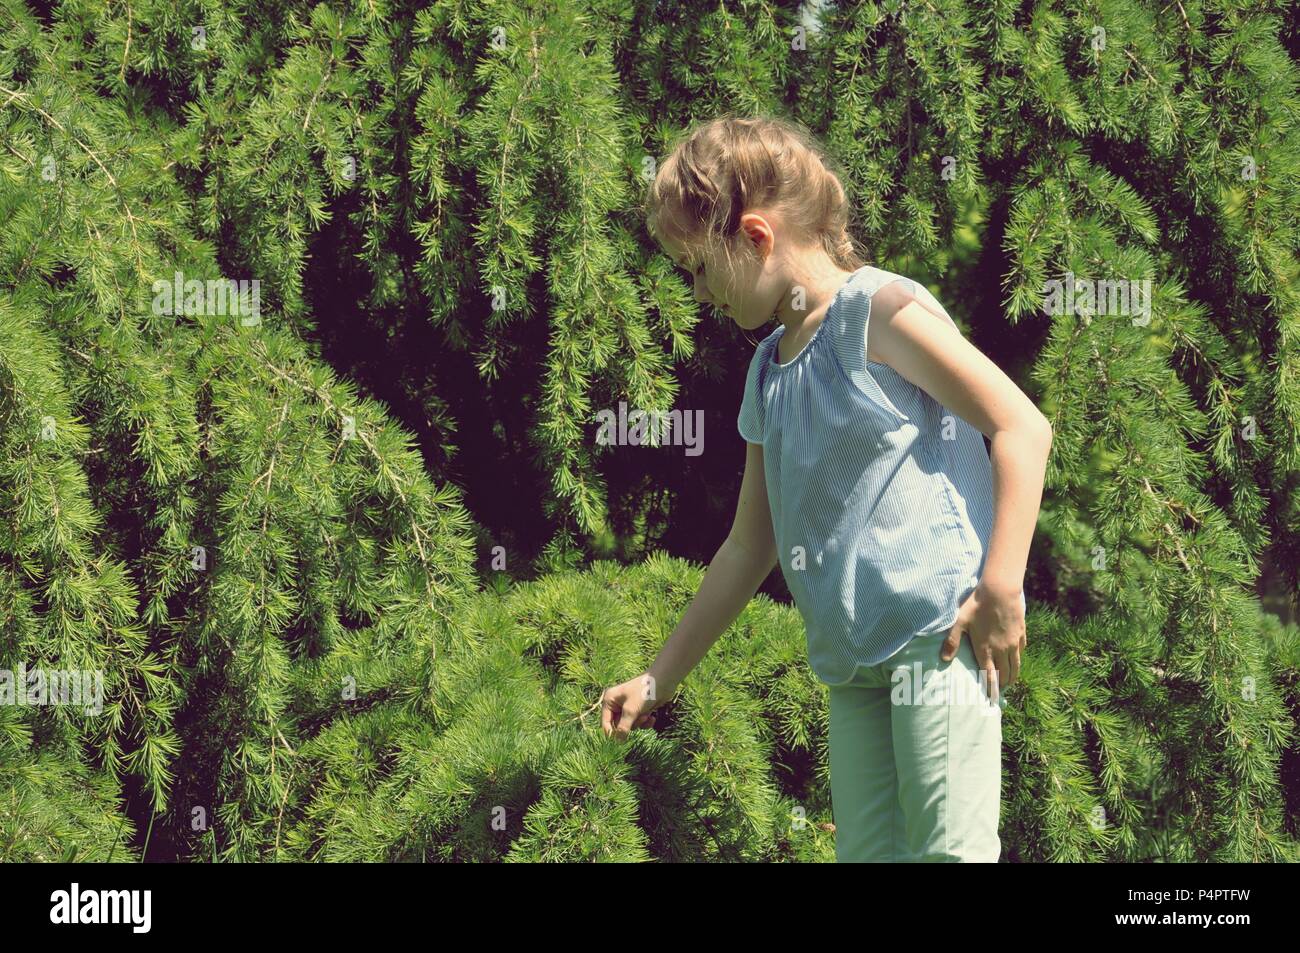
(628, 706)
(995, 621)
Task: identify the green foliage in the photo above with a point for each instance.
(513, 765)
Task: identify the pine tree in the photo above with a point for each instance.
(264, 529)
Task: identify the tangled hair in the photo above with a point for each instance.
(724, 167)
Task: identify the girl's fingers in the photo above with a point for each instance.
(991, 677)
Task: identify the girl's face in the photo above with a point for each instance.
(739, 289)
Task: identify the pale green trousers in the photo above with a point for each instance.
(916, 759)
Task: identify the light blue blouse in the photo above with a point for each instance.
(881, 499)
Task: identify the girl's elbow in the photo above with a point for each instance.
(1034, 429)
(1043, 432)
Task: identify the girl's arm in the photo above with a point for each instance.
(931, 353)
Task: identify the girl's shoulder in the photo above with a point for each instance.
(851, 331)
(877, 278)
(869, 278)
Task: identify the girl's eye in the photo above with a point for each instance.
(693, 270)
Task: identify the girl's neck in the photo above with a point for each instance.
(819, 285)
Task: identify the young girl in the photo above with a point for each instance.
(867, 479)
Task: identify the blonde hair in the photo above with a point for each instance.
(726, 166)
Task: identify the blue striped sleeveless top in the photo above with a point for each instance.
(881, 499)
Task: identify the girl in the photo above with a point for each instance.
(867, 479)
